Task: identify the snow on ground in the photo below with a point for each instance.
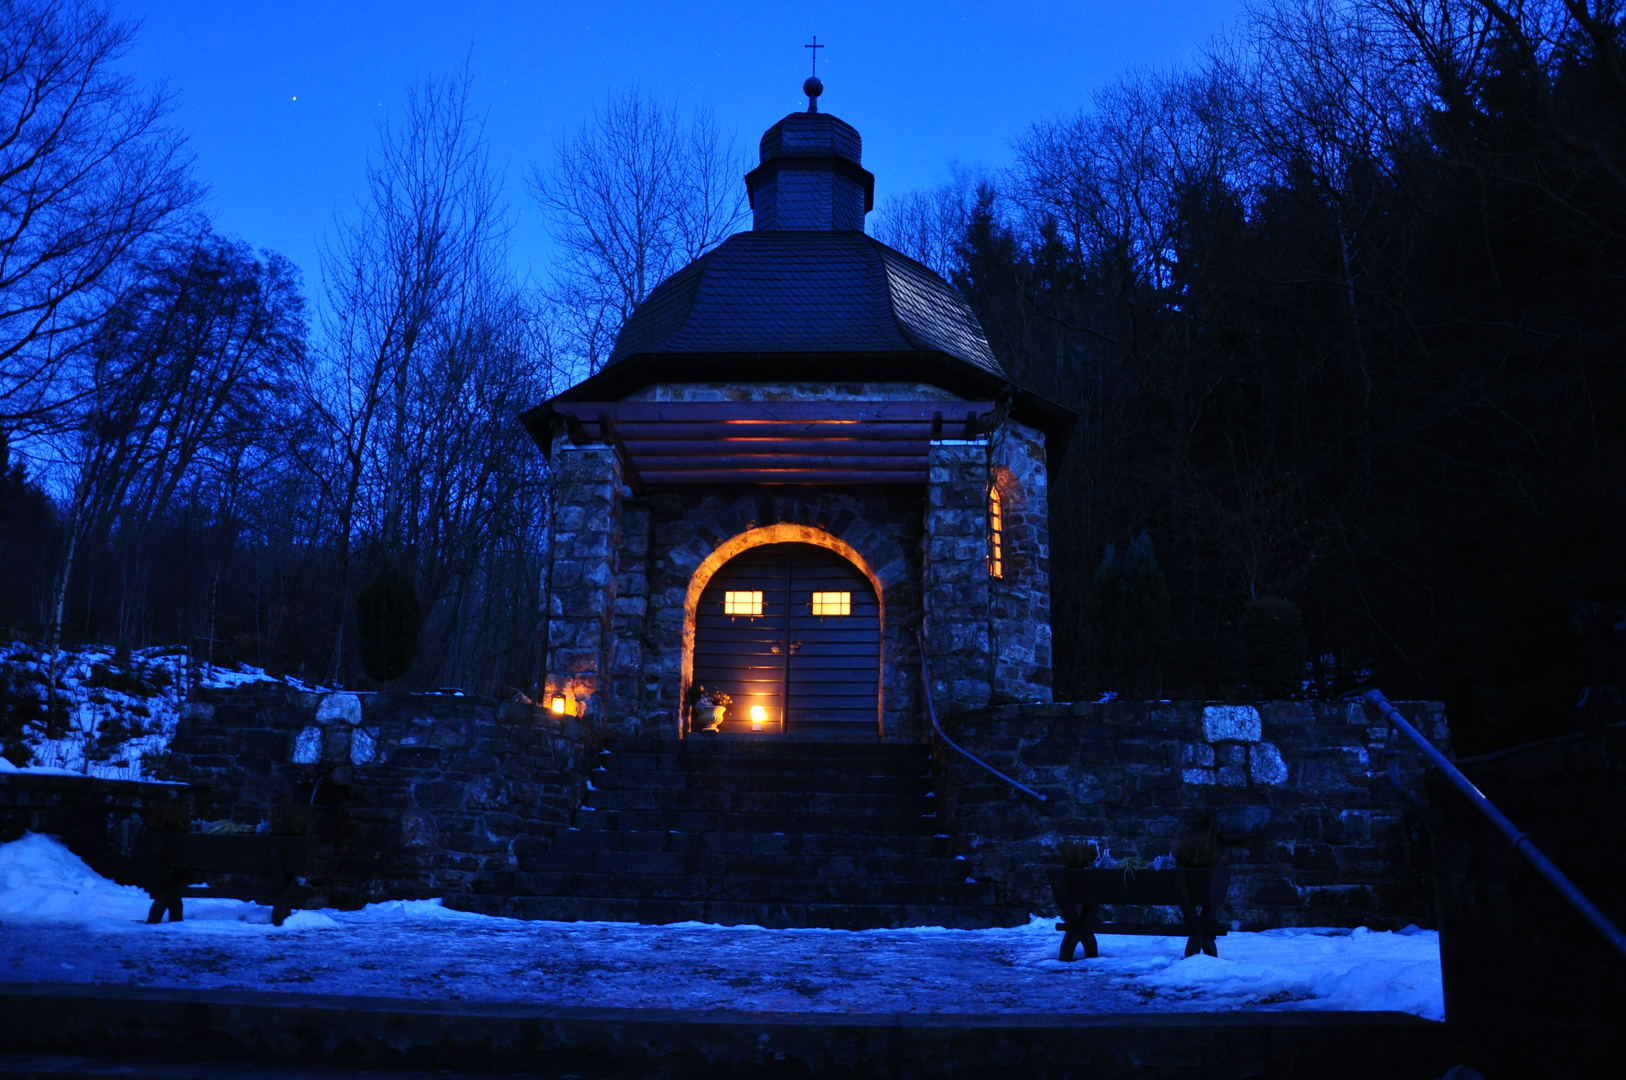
(60, 922)
(117, 710)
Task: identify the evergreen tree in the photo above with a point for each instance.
(1129, 607)
(1274, 649)
(388, 616)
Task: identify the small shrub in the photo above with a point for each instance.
(21, 705)
(1197, 851)
(293, 818)
(1274, 648)
(1129, 616)
(106, 677)
(227, 828)
(388, 619)
(1078, 854)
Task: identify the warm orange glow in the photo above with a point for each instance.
(996, 535)
(742, 603)
(759, 716)
(778, 533)
(558, 706)
(832, 603)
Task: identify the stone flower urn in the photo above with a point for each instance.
(708, 717)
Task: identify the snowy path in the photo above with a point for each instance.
(59, 923)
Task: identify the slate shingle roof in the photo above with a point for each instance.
(805, 292)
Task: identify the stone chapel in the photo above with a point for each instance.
(801, 461)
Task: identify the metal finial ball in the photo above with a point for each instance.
(813, 87)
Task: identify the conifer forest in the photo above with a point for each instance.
(1339, 307)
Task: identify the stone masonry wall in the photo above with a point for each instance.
(957, 623)
(622, 568)
(881, 523)
(97, 819)
(417, 795)
(586, 542)
(665, 537)
(1019, 614)
(1314, 831)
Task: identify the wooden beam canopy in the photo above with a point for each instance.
(772, 442)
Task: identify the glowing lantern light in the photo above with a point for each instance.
(759, 716)
(558, 706)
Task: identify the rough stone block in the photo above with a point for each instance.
(1265, 764)
(1288, 712)
(1231, 723)
(307, 748)
(339, 708)
(1353, 826)
(1237, 823)
(418, 830)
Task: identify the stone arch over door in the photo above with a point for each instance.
(781, 533)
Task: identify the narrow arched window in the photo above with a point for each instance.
(996, 533)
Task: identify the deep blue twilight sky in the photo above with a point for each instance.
(280, 101)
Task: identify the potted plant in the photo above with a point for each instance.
(709, 709)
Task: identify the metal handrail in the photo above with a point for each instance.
(931, 710)
(1520, 839)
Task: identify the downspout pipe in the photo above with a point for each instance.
(931, 710)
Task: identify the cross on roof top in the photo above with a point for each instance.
(815, 47)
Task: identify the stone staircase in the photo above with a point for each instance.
(775, 832)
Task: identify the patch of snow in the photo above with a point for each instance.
(94, 931)
(106, 731)
(43, 884)
(38, 770)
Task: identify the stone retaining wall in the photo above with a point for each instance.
(417, 795)
(98, 820)
(1297, 792)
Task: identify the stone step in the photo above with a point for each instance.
(737, 913)
(786, 781)
(769, 746)
(589, 817)
(754, 843)
(751, 864)
(754, 889)
(820, 803)
(776, 765)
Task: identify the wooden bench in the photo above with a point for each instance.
(173, 864)
(1080, 894)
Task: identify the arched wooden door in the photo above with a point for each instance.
(795, 631)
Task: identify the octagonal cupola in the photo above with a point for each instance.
(810, 177)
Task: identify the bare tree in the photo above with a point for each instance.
(633, 195)
(180, 375)
(87, 172)
(929, 224)
(431, 352)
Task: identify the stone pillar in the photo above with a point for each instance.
(586, 537)
(628, 671)
(1021, 598)
(955, 561)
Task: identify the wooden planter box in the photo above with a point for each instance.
(172, 863)
(1080, 894)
